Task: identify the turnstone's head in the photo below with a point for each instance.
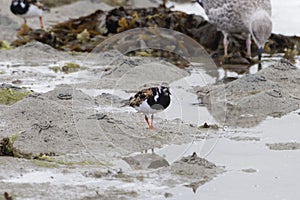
(151, 100)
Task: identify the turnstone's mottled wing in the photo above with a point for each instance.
(140, 97)
(151, 100)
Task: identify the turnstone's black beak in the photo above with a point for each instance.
(259, 53)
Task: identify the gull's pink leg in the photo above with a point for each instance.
(225, 43)
(248, 45)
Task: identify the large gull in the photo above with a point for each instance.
(236, 16)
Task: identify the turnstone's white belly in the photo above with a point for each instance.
(33, 11)
(146, 109)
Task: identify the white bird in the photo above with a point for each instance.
(28, 9)
(241, 16)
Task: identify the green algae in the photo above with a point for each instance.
(67, 68)
(9, 96)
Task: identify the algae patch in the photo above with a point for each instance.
(67, 68)
(10, 94)
(5, 45)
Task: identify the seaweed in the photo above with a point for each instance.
(7, 148)
(85, 33)
(42, 159)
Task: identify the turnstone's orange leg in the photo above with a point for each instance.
(147, 120)
(41, 22)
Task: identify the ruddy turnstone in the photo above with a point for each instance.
(237, 16)
(28, 9)
(150, 101)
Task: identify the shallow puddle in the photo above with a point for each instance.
(252, 169)
(40, 78)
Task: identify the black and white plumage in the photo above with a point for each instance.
(236, 16)
(28, 9)
(150, 101)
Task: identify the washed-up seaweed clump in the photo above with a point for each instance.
(169, 56)
(85, 33)
(7, 148)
